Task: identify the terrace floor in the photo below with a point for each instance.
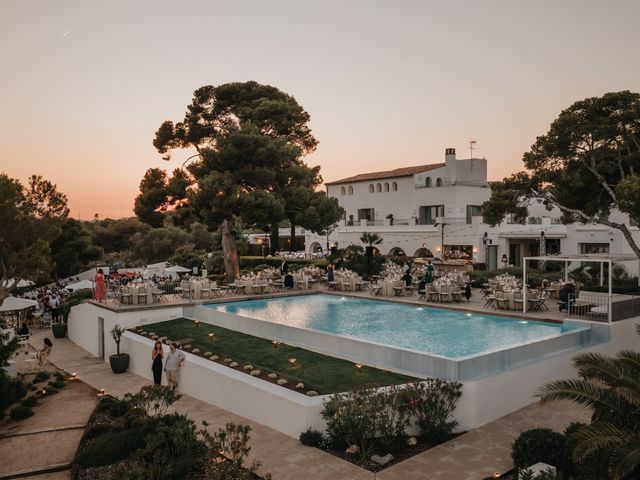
(476, 303)
(472, 456)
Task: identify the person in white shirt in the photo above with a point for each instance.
(173, 363)
(54, 303)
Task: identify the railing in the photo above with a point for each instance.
(448, 183)
(596, 306)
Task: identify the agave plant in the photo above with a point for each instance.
(611, 387)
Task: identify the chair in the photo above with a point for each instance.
(432, 293)
(125, 296)
(46, 320)
(376, 290)
(205, 291)
(517, 300)
(31, 361)
(490, 301)
(142, 295)
(24, 341)
(444, 295)
(501, 300)
(456, 293)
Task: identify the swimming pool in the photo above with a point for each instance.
(437, 332)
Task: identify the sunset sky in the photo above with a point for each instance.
(85, 84)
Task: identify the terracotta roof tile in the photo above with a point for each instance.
(398, 172)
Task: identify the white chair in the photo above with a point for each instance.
(46, 320)
(142, 295)
(24, 341)
(31, 361)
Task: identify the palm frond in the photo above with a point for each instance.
(625, 460)
(589, 394)
(630, 359)
(595, 365)
(629, 395)
(596, 437)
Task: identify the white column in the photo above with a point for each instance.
(524, 285)
(610, 316)
(566, 271)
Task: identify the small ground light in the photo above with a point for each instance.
(292, 362)
(102, 392)
(496, 474)
(211, 336)
(74, 376)
(275, 343)
(359, 367)
(197, 322)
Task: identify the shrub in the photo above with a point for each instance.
(58, 384)
(29, 402)
(229, 447)
(111, 447)
(541, 445)
(432, 403)
(545, 475)
(10, 391)
(98, 430)
(20, 413)
(360, 416)
(312, 438)
(76, 298)
(49, 390)
(42, 376)
(152, 400)
(112, 406)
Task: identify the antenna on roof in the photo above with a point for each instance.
(472, 143)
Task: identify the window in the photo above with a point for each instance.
(366, 214)
(439, 182)
(394, 186)
(350, 190)
(594, 248)
(429, 214)
(378, 187)
(371, 190)
(386, 186)
(342, 191)
(427, 182)
(473, 211)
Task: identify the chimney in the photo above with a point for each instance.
(449, 154)
(451, 163)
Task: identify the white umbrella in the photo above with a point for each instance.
(21, 283)
(12, 304)
(177, 269)
(81, 285)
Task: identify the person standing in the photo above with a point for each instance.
(54, 303)
(175, 360)
(156, 367)
(504, 261)
(428, 273)
(100, 294)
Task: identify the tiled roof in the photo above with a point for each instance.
(398, 172)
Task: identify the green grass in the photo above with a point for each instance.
(318, 372)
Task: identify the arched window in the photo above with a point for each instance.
(350, 190)
(394, 186)
(371, 189)
(342, 191)
(386, 186)
(427, 182)
(439, 182)
(378, 187)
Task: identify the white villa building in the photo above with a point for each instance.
(429, 209)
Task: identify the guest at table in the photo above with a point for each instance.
(288, 281)
(100, 294)
(467, 291)
(407, 278)
(331, 274)
(24, 330)
(504, 261)
(156, 367)
(565, 294)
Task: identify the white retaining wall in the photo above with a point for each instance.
(484, 399)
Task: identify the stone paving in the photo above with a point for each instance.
(471, 456)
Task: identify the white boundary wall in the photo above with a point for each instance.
(484, 399)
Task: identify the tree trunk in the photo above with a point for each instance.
(292, 239)
(230, 251)
(274, 243)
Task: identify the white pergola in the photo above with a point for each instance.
(602, 258)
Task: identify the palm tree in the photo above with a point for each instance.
(611, 387)
(371, 239)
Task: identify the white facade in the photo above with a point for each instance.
(408, 206)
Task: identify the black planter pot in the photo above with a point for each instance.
(119, 363)
(59, 330)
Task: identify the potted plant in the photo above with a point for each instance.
(60, 329)
(120, 361)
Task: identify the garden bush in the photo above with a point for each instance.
(49, 390)
(20, 412)
(11, 391)
(112, 406)
(29, 402)
(111, 447)
(432, 403)
(42, 376)
(58, 384)
(541, 445)
(312, 438)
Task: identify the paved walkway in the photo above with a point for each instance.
(471, 456)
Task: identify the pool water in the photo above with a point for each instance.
(447, 333)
